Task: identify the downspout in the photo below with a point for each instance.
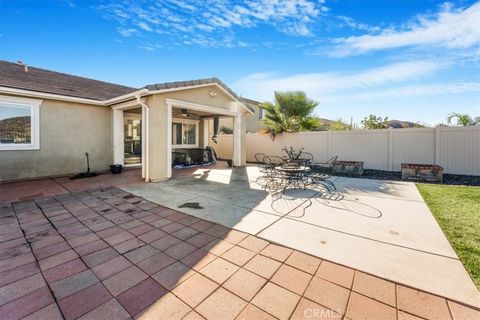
(147, 135)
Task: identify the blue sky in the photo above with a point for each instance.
(409, 60)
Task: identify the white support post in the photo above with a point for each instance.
(390, 149)
(239, 151)
(144, 139)
(169, 140)
(118, 137)
(206, 131)
(437, 144)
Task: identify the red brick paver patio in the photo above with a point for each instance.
(107, 254)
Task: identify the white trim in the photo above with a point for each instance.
(132, 116)
(118, 138)
(132, 104)
(115, 100)
(197, 132)
(200, 107)
(52, 96)
(34, 105)
(169, 141)
(206, 129)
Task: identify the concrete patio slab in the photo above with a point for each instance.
(386, 221)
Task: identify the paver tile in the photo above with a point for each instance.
(180, 250)
(15, 274)
(217, 247)
(72, 284)
(14, 262)
(91, 247)
(111, 309)
(217, 230)
(335, 273)
(422, 304)
(303, 262)
(460, 312)
(142, 229)
(307, 310)
(173, 275)
(128, 245)
(99, 257)
(245, 284)
(78, 241)
(291, 279)
(253, 243)
(185, 233)
(64, 270)
(50, 312)
(84, 301)
(219, 270)
(201, 225)
(57, 259)
(252, 312)
(170, 228)
(152, 235)
(201, 239)
(45, 252)
(198, 259)
(21, 287)
(165, 242)
(141, 296)
(111, 267)
(407, 316)
(124, 280)
(361, 307)
(141, 253)
(195, 289)
(155, 263)
(328, 294)
(221, 305)
(234, 236)
(168, 307)
(276, 301)
(26, 304)
(193, 315)
(119, 237)
(238, 255)
(263, 266)
(375, 288)
(276, 252)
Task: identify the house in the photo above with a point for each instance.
(49, 120)
(254, 123)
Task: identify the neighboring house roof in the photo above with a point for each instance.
(20, 76)
(14, 75)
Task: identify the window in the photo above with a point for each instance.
(184, 133)
(19, 123)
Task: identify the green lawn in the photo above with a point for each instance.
(457, 210)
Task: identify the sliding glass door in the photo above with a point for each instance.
(133, 138)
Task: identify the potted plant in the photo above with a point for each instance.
(116, 168)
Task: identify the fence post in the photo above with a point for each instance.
(329, 138)
(436, 148)
(390, 149)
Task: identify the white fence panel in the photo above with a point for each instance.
(412, 146)
(459, 150)
(369, 146)
(456, 149)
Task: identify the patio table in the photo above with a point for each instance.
(292, 176)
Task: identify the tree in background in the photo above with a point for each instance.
(340, 125)
(374, 122)
(463, 119)
(226, 130)
(291, 112)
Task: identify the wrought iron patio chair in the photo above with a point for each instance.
(321, 172)
(273, 177)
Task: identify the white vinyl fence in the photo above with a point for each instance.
(456, 149)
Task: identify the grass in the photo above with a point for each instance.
(457, 210)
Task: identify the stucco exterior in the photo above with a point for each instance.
(67, 131)
(253, 122)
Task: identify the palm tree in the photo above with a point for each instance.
(463, 119)
(292, 112)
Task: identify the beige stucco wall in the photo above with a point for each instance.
(67, 131)
(158, 159)
(253, 123)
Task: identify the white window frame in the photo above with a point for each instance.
(187, 121)
(34, 105)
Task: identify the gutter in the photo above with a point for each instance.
(146, 152)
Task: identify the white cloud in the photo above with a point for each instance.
(127, 32)
(321, 85)
(177, 17)
(450, 28)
